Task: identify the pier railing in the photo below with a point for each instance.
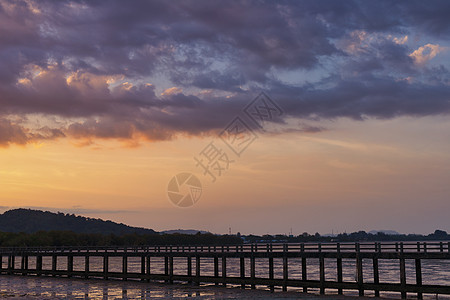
(399, 253)
(404, 247)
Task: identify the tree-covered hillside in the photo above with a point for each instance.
(30, 221)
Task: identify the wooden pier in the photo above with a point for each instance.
(219, 256)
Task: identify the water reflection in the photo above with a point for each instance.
(433, 272)
(69, 288)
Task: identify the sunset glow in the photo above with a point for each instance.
(102, 103)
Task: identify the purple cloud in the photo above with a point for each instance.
(101, 66)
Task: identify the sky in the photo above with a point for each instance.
(302, 116)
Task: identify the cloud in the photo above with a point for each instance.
(425, 53)
(156, 70)
(14, 133)
(172, 91)
(400, 40)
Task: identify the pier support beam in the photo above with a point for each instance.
(26, 264)
(272, 287)
(171, 269)
(148, 262)
(105, 266)
(166, 268)
(304, 273)
(54, 263)
(403, 277)
(253, 271)
(322, 274)
(69, 265)
(242, 269)
(216, 267)
(142, 267)
(39, 265)
(419, 277)
(86, 266)
(339, 273)
(197, 270)
(224, 270)
(125, 267)
(22, 264)
(376, 275)
(359, 271)
(9, 264)
(189, 268)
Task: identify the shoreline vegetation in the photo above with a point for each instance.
(31, 228)
(70, 238)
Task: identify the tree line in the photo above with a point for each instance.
(69, 238)
(359, 236)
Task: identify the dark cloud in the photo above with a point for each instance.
(13, 133)
(90, 63)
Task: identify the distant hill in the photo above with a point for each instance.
(387, 232)
(30, 221)
(184, 231)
